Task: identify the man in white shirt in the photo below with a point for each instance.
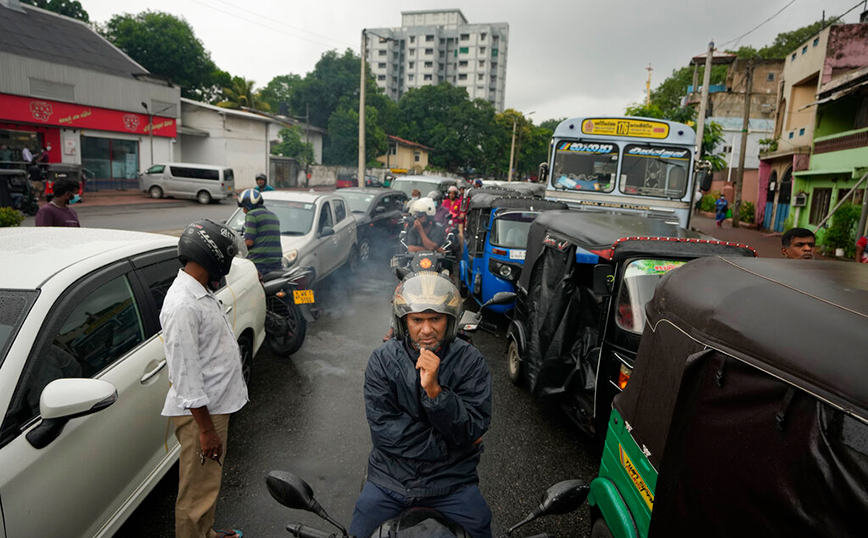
(205, 371)
(26, 155)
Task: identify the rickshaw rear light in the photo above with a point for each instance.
(624, 376)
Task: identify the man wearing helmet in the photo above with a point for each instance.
(262, 183)
(204, 363)
(442, 214)
(261, 232)
(425, 234)
(428, 403)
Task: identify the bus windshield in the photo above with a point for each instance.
(655, 171)
(582, 166)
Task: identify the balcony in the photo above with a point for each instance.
(841, 141)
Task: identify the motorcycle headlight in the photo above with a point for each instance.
(289, 258)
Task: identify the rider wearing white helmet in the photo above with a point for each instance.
(425, 234)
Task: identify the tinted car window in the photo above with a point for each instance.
(158, 277)
(340, 211)
(156, 169)
(228, 175)
(325, 217)
(195, 173)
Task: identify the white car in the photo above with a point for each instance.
(83, 375)
(317, 229)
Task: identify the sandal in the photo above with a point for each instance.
(231, 533)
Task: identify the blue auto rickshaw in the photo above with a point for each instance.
(495, 238)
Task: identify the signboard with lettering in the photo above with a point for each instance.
(625, 127)
(16, 108)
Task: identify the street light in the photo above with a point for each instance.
(151, 125)
(512, 148)
(362, 162)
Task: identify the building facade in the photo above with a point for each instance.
(87, 104)
(405, 156)
(438, 46)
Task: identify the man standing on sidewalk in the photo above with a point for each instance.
(798, 244)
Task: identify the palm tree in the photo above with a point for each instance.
(242, 94)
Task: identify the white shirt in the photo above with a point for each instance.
(201, 351)
(26, 155)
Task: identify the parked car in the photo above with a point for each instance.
(83, 375)
(378, 217)
(746, 414)
(495, 239)
(201, 182)
(317, 229)
(424, 184)
(581, 300)
(347, 181)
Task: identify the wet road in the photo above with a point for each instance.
(306, 415)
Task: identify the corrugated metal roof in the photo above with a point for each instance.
(41, 35)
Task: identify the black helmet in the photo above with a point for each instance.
(263, 177)
(426, 291)
(209, 244)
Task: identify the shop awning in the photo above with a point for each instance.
(835, 172)
(192, 131)
(835, 95)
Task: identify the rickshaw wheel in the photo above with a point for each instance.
(600, 529)
(513, 362)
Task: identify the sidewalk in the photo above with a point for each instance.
(767, 244)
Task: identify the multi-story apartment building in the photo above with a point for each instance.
(438, 46)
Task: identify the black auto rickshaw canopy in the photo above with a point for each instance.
(750, 397)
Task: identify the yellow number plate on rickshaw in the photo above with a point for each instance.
(302, 296)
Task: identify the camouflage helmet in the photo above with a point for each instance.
(426, 291)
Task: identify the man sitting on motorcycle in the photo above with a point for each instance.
(428, 403)
(261, 232)
(425, 234)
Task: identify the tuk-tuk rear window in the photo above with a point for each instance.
(510, 229)
(637, 288)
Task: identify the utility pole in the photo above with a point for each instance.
(703, 104)
(648, 86)
(512, 150)
(745, 123)
(361, 173)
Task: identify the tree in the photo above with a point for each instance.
(712, 136)
(785, 42)
(333, 78)
(343, 147)
(644, 111)
(242, 95)
(166, 46)
(292, 146)
(280, 90)
(69, 8)
(551, 124)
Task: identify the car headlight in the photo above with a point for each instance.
(289, 258)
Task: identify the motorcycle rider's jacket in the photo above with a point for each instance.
(426, 447)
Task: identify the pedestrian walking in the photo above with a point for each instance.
(207, 384)
(57, 212)
(720, 207)
(861, 254)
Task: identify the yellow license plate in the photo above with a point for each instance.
(302, 296)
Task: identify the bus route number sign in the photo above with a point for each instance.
(625, 127)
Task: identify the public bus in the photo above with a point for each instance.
(624, 165)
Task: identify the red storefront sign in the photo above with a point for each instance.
(15, 108)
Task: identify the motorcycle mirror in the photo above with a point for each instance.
(561, 498)
(501, 297)
(289, 490)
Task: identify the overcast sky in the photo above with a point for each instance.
(566, 58)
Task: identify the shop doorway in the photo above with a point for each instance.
(111, 163)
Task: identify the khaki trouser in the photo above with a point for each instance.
(198, 485)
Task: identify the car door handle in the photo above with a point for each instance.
(228, 309)
(149, 375)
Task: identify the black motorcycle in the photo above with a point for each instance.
(406, 262)
(293, 492)
(289, 306)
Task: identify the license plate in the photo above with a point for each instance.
(516, 254)
(302, 296)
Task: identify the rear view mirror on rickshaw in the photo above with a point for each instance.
(501, 297)
(562, 498)
(604, 277)
(543, 172)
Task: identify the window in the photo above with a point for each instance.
(816, 41)
(412, 39)
(482, 36)
(442, 42)
(465, 37)
(440, 67)
(159, 277)
(481, 50)
(429, 65)
(427, 77)
(462, 76)
(411, 65)
(156, 169)
(793, 57)
(654, 171)
(637, 288)
(429, 52)
(429, 38)
(463, 50)
(195, 173)
(770, 77)
(410, 76)
(110, 158)
(325, 218)
(382, 52)
(802, 131)
(381, 65)
(393, 149)
(480, 76)
(442, 54)
(583, 166)
(417, 156)
(494, 53)
(820, 203)
(340, 211)
(462, 63)
(381, 77)
(791, 134)
(481, 63)
(804, 49)
(411, 52)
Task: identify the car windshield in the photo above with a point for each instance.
(637, 288)
(655, 171)
(510, 229)
(359, 202)
(424, 187)
(585, 166)
(296, 218)
(14, 306)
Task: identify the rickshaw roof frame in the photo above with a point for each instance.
(499, 201)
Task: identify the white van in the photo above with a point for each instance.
(203, 182)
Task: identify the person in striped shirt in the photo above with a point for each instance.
(261, 232)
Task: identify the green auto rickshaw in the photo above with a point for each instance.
(747, 412)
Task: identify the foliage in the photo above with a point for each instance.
(712, 136)
(343, 127)
(551, 124)
(69, 8)
(293, 146)
(10, 217)
(280, 90)
(166, 46)
(747, 212)
(333, 78)
(241, 94)
(668, 94)
(768, 144)
(842, 232)
(708, 201)
(785, 42)
(644, 111)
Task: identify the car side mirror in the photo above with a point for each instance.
(603, 279)
(65, 399)
(380, 209)
(327, 231)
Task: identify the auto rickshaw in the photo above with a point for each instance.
(57, 171)
(747, 411)
(579, 314)
(495, 238)
(17, 192)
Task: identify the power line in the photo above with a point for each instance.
(739, 38)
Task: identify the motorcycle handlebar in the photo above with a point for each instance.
(303, 531)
